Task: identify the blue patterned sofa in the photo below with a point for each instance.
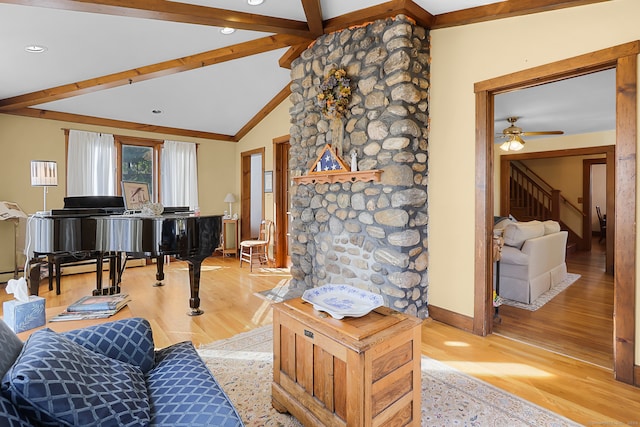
(107, 375)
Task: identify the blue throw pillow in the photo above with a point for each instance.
(58, 382)
(10, 345)
(10, 416)
(126, 340)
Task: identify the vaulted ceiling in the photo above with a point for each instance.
(165, 66)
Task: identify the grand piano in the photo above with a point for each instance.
(106, 232)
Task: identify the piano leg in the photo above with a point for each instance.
(159, 271)
(99, 261)
(194, 284)
(116, 276)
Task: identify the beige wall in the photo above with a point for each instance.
(24, 139)
(462, 56)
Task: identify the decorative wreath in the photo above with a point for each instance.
(335, 93)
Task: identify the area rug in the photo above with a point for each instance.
(271, 271)
(545, 297)
(282, 292)
(243, 366)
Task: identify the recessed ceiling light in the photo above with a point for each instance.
(35, 48)
(156, 111)
(227, 30)
(255, 2)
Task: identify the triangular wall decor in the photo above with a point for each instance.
(328, 161)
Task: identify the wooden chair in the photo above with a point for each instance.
(257, 251)
(602, 219)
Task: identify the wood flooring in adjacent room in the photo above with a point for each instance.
(580, 391)
(578, 322)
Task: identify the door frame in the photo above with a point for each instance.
(281, 197)
(245, 191)
(586, 201)
(624, 58)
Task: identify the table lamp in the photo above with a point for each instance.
(230, 198)
(44, 173)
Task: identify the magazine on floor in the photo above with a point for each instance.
(100, 303)
(93, 307)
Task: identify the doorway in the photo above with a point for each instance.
(578, 322)
(251, 194)
(624, 59)
(282, 199)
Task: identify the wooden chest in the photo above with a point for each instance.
(352, 372)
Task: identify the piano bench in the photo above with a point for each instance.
(56, 261)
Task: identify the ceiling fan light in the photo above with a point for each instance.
(516, 145)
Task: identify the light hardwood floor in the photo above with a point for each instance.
(580, 391)
(579, 321)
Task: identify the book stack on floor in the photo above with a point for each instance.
(93, 307)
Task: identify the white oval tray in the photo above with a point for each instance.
(342, 300)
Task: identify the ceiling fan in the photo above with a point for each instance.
(514, 135)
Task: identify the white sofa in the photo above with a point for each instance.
(532, 260)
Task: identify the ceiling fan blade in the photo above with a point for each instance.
(548, 132)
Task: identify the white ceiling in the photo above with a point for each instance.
(217, 99)
(579, 105)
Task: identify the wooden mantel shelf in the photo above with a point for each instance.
(338, 176)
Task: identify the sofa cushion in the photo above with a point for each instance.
(502, 223)
(55, 381)
(551, 227)
(183, 393)
(10, 345)
(511, 255)
(126, 340)
(517, 233)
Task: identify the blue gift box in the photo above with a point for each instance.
(22, 316)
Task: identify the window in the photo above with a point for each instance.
(139, 161)
(97, 164)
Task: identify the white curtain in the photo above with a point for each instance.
(91, 164)
(179, 174)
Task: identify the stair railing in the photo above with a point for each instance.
(537, 198)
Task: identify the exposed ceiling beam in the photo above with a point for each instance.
(176, 12)
(97, 121)
(359, 17)
(271, 105)
(135, 75)
(193, 14)
(381, 11)
(503, 9)
(313, 12)
(291, 54)
(421, 16)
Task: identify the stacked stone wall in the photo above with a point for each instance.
(373, 235)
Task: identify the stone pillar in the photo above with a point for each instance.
(372, 235)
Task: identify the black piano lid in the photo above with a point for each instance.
(93, 202)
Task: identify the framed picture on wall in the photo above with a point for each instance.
(135, 194)
(268, 182)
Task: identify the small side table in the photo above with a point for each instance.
(358, 371)
(227, 249)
